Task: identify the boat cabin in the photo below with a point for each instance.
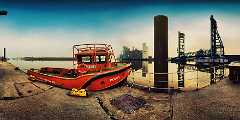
(93, 57)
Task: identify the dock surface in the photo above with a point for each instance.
(220, 101)
(23, 99)
(9, 77)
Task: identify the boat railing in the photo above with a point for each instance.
(93, 49)
(91, 46)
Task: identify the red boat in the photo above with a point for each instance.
(96, 69)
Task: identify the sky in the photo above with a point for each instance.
(51, 27)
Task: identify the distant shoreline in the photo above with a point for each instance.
(47, 58)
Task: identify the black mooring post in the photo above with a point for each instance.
(161, 51)
(4, 54)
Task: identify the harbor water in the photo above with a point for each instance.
(143, 73)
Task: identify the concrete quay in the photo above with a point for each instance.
(220, 101)
(22, 99)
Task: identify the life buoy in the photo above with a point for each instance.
(82, 68)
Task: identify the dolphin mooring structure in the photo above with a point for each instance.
(161, 51)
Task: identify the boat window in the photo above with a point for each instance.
(100, 58)
(86, 59)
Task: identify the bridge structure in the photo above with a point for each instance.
(214, 56)
(212, 59)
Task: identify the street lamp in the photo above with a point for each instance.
(3, 12)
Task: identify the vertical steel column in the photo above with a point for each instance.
(217, 50)
(180, 73)
(213, 37)
(181, 44)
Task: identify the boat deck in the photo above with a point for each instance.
(89, 72)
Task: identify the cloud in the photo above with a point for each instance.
(132, 33)
(197, 30)
(195, 27)
(48, 42)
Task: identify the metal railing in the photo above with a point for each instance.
(193, 78)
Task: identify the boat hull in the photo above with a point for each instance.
(92, 82)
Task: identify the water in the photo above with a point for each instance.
(142, 73)
(25, 65)
(193, 77)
